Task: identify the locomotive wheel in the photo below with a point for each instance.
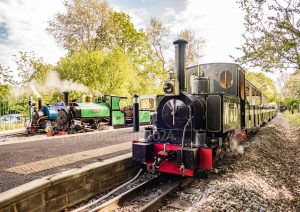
(62, 120)
(101, 126)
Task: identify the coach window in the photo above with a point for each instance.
(226, 79)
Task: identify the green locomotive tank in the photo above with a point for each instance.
(90, 110)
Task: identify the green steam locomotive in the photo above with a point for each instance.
(91, 113)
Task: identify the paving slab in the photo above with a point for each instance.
(47, 150)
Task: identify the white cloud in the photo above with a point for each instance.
(138, 16)
(220, 23)
(26, 23)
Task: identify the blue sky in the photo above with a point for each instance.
(219, 22)
(3, 32)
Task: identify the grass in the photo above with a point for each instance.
(294, 119)
(8, 126)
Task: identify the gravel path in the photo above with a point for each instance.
(265, 178)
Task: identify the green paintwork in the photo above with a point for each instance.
(118, 118)
(115, 101)
(94, 110)
(144, 116)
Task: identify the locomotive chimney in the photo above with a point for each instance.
(40, 103)
(66, 98)
(180, 46)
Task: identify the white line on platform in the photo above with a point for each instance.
(66, 136)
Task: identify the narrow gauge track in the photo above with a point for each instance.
(145, 196)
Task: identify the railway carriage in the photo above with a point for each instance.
(204, 108)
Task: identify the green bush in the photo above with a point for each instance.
(294, 119)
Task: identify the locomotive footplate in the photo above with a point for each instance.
(151, 154)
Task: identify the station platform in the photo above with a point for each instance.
(7, 132)
(22, 162)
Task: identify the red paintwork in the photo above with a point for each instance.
(57, 134)
(241, 136)
(171, 167)
(159, 147)
(61, 133)
(205, 159)
(50, 134)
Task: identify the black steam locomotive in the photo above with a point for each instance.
(204, 108)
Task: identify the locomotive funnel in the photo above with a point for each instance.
(40, 105)
(180, 46)
(66, 98)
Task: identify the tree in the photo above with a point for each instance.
(158, 37)
(31, 68)
(102, 72)
(84, 26)
(292, 87)
(6, 74)
(272, 37)
(92, 25)
(193, 49)
(263, 83)
(92, 33)
(4, 90)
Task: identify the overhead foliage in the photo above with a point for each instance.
(158, 37)
(292, 87)
(80, 26)
(272, 36)
(263, 83)
(106, 52)
(193, 49)
(108, 72)
(4, 90)
(92, 25)
(6, 74)
(30, 67)
(102, 72)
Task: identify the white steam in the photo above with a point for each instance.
(34, 90)
(52, 82)
(236, 147)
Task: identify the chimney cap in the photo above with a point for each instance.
(180, 41)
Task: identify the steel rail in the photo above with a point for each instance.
(153, 205)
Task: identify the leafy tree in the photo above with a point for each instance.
(83, 26)
(193, 49)
(158, 37)
(122, 34)
(292, 87)
(92, 25)
(4, 90)
(105, 72)
(6, 74)
(107, 52)
(272, 36)
(30, 67)
(263, 83)
(109, 72)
